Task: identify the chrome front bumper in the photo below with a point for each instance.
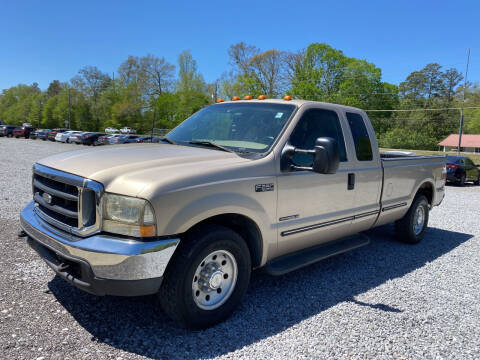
(109, 257)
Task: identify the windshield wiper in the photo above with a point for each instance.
(210, 144)
(168, 140)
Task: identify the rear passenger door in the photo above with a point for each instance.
(368, 171)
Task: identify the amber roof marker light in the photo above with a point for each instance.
(235, 98)
(248, 97)
(287, 97)
(261, 97)
(220, 100)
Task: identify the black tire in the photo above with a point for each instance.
(461, 181)
(67, 141)
(477, 182)
(405, 227)
(176, 294)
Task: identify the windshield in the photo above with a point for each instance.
(242, 127)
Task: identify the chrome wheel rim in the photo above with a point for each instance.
(214, 280)
(419, 220)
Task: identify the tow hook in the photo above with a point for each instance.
(62, 267)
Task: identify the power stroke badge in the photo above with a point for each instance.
(264, 187)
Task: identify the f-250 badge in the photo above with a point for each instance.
(264, 187)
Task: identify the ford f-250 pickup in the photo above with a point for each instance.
(240, 185)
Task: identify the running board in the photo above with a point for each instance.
(305, 257)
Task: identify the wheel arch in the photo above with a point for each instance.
(241, 224)
(427, 189)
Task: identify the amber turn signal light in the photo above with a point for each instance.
(261, 97)
(288, 97)
(248, 97)
(235, 98)
(220, 100)
(147, 230)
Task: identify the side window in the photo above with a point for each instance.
(363, 147)
(313, 124)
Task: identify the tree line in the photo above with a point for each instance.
(149, 91)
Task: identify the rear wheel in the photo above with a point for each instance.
(461, 182)
(411, 228)
(207, 278)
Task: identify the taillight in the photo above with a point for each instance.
(449, 166)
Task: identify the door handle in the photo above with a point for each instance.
(351, 181)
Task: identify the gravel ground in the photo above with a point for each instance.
(386, 300)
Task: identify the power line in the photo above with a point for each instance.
(438, 109)
(412, 119)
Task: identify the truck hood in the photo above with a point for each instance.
(133, 169)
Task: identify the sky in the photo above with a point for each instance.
(41, 41)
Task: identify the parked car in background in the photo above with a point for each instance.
(54, 132)
(23, 131)
(147, 139)
(461, 169)
(43, 134)
(33, 134)
(65, 136)
(78, 138)
(113, 139)
(127, 139)
(7, 130)
(111, 130)
(128, 130)
(103, 140)
(92, 139)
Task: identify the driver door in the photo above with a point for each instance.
(314, 208)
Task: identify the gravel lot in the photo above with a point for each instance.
(386, 300)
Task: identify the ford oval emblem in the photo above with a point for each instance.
(47, 198)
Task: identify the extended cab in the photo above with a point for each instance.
(237, 186)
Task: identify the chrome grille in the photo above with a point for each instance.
(68, 202)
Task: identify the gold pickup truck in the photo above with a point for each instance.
(240, 185)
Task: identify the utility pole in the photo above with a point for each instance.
(39, 112)
(461, 108)
(69, 106)
(153, 120)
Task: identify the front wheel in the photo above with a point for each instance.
(207, 278)
(411, 228)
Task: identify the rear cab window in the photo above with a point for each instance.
(361, 139)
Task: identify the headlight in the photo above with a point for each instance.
(128, 216)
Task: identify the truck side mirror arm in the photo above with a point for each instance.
(326, 158)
